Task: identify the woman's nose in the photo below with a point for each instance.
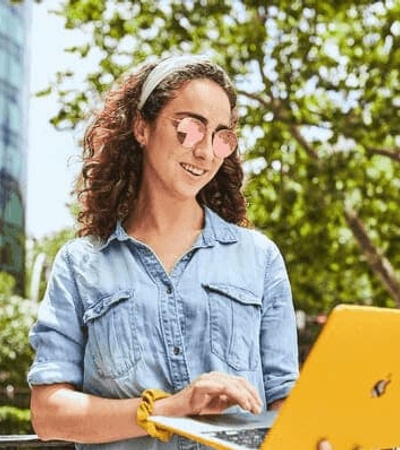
(204, 148)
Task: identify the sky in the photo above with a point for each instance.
(51, 164)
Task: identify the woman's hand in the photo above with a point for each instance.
(211, 393)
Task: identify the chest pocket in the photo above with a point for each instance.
(111, 334)
(235, 325)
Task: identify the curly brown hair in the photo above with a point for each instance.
(109, 182)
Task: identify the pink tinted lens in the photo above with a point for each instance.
(190, 132)
(224, 143)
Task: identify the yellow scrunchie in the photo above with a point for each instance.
(145, 408)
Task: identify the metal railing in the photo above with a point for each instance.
(29, 441)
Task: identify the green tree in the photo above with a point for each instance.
(319, 92)
(17, 315)
(16, 318)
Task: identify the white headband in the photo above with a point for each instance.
(163, 70)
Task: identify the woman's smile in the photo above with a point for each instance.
(193, 170)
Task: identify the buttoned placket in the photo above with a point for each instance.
(170, 312)
(174, 338)
(170, 319)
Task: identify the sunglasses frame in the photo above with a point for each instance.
(176, 121)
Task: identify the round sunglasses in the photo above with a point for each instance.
(191, 131)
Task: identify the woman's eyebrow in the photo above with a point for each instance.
(201, 118)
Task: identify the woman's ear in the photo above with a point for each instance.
(140, 130)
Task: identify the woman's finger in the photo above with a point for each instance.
(236, 389)
(324, 445)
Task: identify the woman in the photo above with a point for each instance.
(166, 288)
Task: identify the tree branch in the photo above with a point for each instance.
(276, 107)
(377, 262)
(393, 153)
(303, 142)
(264, 102)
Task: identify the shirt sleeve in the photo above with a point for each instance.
(58, 336)
(279, 346)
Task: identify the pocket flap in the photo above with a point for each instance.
(234, 292)
(105, 303)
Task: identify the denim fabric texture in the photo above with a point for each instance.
(114, 323)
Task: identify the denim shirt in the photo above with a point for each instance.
(114, 323)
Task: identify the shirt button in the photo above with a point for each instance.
(169, 290)
(177, 350)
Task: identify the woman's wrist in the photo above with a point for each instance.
(146, 408)
(166, 407)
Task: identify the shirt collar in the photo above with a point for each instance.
(118, 234)
(215, 230)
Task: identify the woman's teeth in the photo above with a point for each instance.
(193, 170)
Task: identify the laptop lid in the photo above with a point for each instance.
(349, 388)
(348, 391)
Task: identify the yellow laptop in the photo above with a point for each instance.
(348, 392)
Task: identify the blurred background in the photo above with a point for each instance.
(319, 96)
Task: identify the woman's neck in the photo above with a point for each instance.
(164, 217)
(169, 228)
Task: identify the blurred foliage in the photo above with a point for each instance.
(52, 243)
(7, 284)
(16, 318)
(319, 86)
(15, 420)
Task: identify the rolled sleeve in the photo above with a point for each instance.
(58, 336)
(279, 346)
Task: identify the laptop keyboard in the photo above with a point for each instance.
(252, 438)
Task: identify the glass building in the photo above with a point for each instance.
(14, 95)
